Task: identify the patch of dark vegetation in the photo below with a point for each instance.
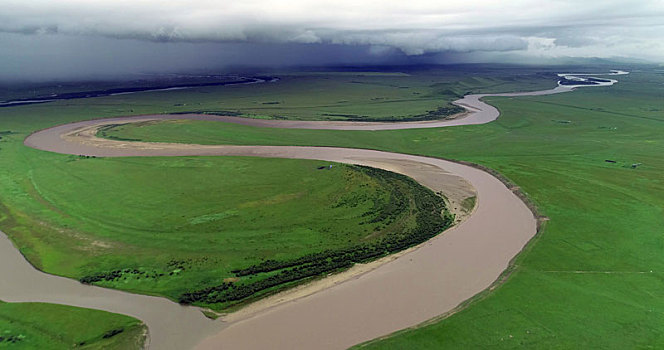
(222, 113)
(11, 339)
(4, 133)
(344, 115)
(440, 112)
(610, 161)
(235, 292)
(118, 274)
(186, 264)
(74, 158)
(104, 276)
(210, 293)
(577, 82)
(112, 333)
(171, 268)
(117, 138)
(436, 114)
(431, 218)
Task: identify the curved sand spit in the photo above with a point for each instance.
(421, 284)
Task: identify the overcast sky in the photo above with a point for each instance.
(77, 38)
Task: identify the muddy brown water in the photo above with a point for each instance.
(419, 285)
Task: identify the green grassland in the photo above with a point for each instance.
(168, 226)
(190, 227)
(48, 326)
(183, 225)
(324, 95)
(593, 276)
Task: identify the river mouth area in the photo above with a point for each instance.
(410, 288)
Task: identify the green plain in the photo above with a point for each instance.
(174, 225)
(590, 279)
(63, 211)
(48, 326)
(169, 226)
(593, 275)
(313, 96)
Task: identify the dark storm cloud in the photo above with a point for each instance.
(116, 36)
(46, 57)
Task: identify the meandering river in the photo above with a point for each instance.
(419, 285)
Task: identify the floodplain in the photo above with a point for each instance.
(589, 160)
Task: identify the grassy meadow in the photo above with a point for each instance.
(592, 277)
(167, 226)
(177, 226)
(184, 227)
(315, 95)
(41, 326)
